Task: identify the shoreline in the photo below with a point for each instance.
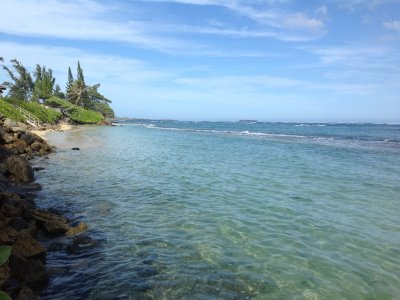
(60, 127)
(24, 226)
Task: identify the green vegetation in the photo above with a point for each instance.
(45, 115)
(10, 112)
(77, 114)
(87, 105)
(44, 83)
(5, 252)
(21, 86)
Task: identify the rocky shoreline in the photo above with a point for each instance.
(24, 276)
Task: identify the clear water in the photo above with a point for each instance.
(185, 210)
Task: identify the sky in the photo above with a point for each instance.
(219, 60)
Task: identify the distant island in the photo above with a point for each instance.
(248, 121)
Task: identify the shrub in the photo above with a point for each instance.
(77, 114)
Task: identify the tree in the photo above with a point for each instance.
(58, 93)
(77, 89)
(79, 93)
(44, 83)
(98, 102)
(21, 85)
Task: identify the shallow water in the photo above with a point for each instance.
(184, 210)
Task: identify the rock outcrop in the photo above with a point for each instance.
(18, 228)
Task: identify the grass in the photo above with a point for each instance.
(77, 114)
(45, 115)
(10, 112)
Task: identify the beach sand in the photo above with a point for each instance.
(61, 127)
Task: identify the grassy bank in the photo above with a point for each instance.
(7, 110)
(47, 114)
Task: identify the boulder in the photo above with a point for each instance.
(19, 224)
(9, 210)
(22, 125)
(18, 129)
(28, 138)
(36, 146)
(52, 223)
(26, 293)
(20, 169)
(3, 168)
(19, 146)
(10, 123)
(8, 138)
(30, 272)
(27, 247)
(5, 273)
(56, 227)
(8, 235)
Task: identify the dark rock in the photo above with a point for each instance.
(9, 210)
(38, 168)
(5, 273)
(75, 148)
(26, 293)
(18, 146)
(55, 247)
(52, 223)
(20, 169)
(27, 138)
(3, 168)
(30, 272)
(8, 235)
(19, 224)
(28, 247)
(3, 178)
(55, 227)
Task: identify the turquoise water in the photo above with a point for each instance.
(184, 210)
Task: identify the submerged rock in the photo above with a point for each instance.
(80, 243)
(81, 227)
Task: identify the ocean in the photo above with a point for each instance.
(226, 210)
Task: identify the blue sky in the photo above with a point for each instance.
(270, 60)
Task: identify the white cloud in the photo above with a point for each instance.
(80, 20)
(393, 25)
(271, 17)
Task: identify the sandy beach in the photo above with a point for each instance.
(61, 127)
